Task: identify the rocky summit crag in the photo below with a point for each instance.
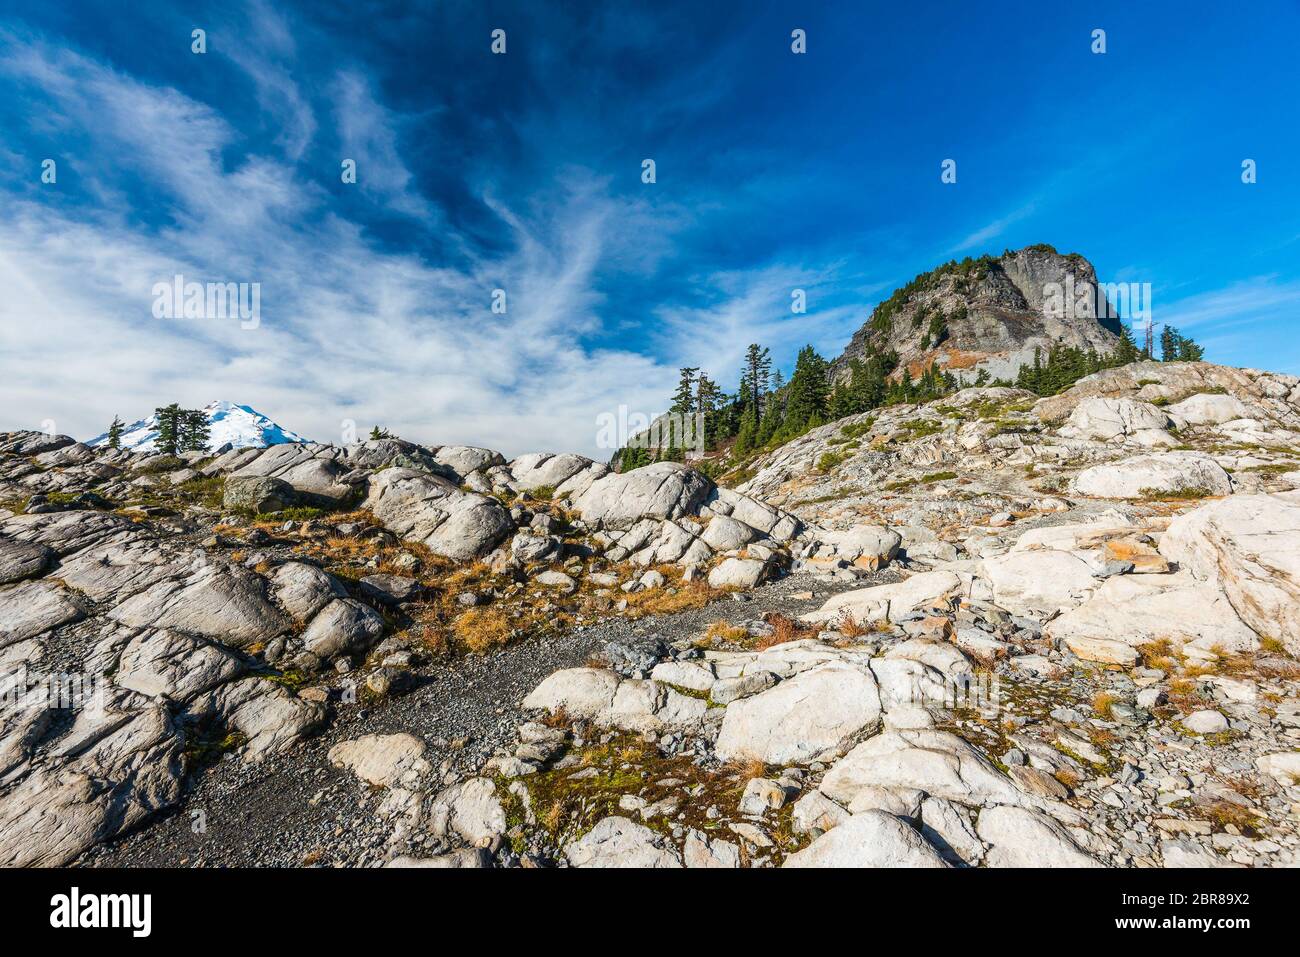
(992, 314)
(990, 630)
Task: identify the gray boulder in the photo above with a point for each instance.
(619, 842)
(223, 602)
(258, 494)
(19, 560)
(738, 573)
(664, 490)
(462, 526)
(343, 626)
(29, 609)
(868, 839)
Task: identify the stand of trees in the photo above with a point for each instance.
(181, 430)
(1065, 366)
(766, 411)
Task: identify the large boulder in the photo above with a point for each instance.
(226, 603)
(470, 809)
(344, 625)
(936, 762)
(1168, 473)
(1039, 583)
(314, 471)
(891, 602)
(19, 560)
(34, 443)
(868, 839)
(464, 459)
(1210, 409)
(664, 490)
(383, 760)
(738, 573)
(302, 590)
(803, 718)
(1024, 837)
(565, 474)
(725, 533)
(429, 509)
(1249, 547)
(125, 770)
(32, 608)
(258, 494)
(271, 718)
(619, 842)
(579, 692)
(67, 533)
(172, 666)
(1131, 610)
(867, 546)
(1104, 419)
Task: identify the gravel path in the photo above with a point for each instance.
(296, 807)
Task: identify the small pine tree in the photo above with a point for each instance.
(1127, 350)
(809, 395)
(192, 431)
(169, 428)
(754, 376)
(773, 418)
(115, 433)
(1170, 341)
(684, 397)
(1190, 351)
(378, 433)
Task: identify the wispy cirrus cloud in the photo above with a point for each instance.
(983, 236)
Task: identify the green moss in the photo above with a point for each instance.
(920, 428)
(829, 461)
(1173, 495)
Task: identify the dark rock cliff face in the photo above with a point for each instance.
(989, 313)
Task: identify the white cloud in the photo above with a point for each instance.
(348, 330)
(1247, 301)
(994, 229)
(754, 306)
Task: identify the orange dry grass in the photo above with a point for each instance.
(482, 629)
(1101, 703)
(670, 599)
(723, 630)
(748, 770)
(784, 629)
(850, 628)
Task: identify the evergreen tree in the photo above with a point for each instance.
(169, 428)
(192, 431)
(378, 433)
(115, 434)
(1127, 351)
(747, 436)
(1190, 351)
(753, 377)
(808, 401)
(1170, 342)
(1176, 347)
(633, 458)
(708, 400)
(773, 419)
(684, 397)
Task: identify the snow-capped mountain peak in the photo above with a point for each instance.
(240, 426)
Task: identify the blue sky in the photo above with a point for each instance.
(522, 172)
